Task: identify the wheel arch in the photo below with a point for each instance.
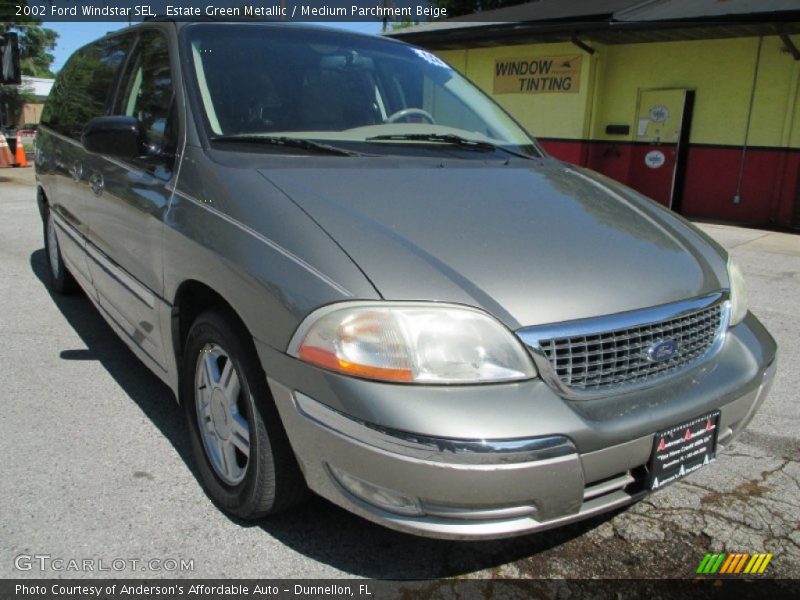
(192, 298)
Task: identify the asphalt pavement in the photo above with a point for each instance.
(96, 464)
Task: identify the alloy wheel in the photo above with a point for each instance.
(221, 414)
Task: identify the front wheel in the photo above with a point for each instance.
(245, 461)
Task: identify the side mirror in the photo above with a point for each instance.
(10, 73)
(119, 136)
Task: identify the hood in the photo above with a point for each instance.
(531, 245)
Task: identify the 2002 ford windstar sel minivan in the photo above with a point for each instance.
(360, 276)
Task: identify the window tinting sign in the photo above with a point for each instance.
(537, 75)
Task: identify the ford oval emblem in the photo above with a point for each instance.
(662, 350)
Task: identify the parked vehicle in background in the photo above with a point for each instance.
(27, 135)
(360, 276)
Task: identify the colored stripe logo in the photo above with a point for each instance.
(734, 563)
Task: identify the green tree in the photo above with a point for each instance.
(36, 44)
(398, 25)
(35, 50)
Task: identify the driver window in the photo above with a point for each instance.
(147, 92)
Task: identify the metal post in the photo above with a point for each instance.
(737, 198)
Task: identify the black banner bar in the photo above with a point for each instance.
(738, 588)
(237, 10)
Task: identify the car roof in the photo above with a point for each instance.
(181, 22)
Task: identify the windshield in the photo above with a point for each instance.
(334, 87)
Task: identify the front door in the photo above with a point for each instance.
(128, 199)
(661, 140)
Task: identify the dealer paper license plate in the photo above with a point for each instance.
(682, 449)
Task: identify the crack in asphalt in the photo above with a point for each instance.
(748, 517)
(744, 243)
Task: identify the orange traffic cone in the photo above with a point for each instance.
(6, 159)
(22, 160)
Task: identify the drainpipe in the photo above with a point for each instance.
(737, 198)
(595, 59)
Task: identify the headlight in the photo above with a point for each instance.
(738, 292)
(412, 343)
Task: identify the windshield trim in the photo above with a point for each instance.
(448, 140)
(281, 141)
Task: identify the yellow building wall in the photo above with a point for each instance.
(776, 95)
(720, 71)
(793, 110)
(455, 58)
(544, 115)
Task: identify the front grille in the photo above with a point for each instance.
(610, 359)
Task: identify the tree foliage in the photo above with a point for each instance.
(35, 50)
(36, 43)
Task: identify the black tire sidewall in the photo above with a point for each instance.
(63, 283)
(255, 494)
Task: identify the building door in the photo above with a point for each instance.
(661, 135)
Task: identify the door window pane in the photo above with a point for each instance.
(148, 91)
(84, 86)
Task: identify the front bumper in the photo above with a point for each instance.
(525, 460)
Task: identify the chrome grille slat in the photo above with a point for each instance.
(618, 357)
(598, 356)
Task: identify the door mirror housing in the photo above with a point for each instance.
(118, 136)
(10, 73)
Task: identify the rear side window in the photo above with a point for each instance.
(84, 86)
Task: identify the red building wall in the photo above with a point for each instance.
(712, 175)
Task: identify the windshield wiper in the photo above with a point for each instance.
(449, 138)
(288, 142)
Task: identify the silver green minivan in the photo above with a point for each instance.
(361, 277)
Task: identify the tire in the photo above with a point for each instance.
(60, 279)
(222, 421)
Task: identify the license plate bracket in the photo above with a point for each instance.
(682, 449)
